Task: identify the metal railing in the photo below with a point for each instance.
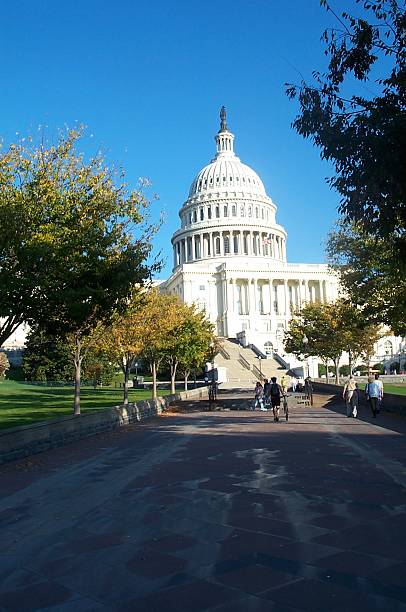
(246, 364)
(257, 372)
(224, 353)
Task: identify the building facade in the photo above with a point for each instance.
(229, 254)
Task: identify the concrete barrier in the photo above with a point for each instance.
(391, 402)
(18, 442)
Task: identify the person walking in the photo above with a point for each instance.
(259, 396)
(284, 383)
(350, 395)
(372, 394)
(275, 393)
(380, 398)
(267, 387)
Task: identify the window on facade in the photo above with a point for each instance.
(242, 211)
(195, 216)
(226, 245)
(388, 347)
(235, 243)
(291, 297)
(209, 212)
(225, 211)
(249, 211)
(260, 300)
(201, 214)
(234, 210)
(256, 213)
(217, 212)
(218, 245)
(275, 300)
(245, 241)
(240, 299)
(262, 213)
(202, 287)
(190, 217)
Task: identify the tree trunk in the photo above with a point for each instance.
(350, 362)
(327, 376)
(126, 377)
(153, 370)
(173, 376)
(186, 379)
(78, 364)
(337, 374)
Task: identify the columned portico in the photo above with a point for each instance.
(229, 253)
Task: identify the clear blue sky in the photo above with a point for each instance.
(148, 78)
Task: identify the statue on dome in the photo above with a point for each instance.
(223, 122)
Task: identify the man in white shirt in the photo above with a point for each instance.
(380, 398)
(372, 394)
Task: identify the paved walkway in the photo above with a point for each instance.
(212, 511)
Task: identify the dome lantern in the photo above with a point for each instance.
(224, 139)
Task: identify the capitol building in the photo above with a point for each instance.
(229, 255)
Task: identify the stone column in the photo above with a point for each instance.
(287, 305)
(270, 293)
(255, 288)
(193, 247)
(231, 303)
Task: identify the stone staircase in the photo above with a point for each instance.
(243, 365)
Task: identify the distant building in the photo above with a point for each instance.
(229, 255)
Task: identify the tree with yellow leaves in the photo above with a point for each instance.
(74, 241)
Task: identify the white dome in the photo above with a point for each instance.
(224, 173)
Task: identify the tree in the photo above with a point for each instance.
(122, 340)
(189, 346)
(83, 243)
(365, 140)
(98, 368)
(371, 273)
(358, 335)
(318, 322)
(331, 330)
(4, 364)
(47, 357)
(363, 137)
(157, 322)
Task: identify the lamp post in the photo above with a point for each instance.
(305, 341)
(260, 366)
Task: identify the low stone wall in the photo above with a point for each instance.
(391, 402)
(18, 442)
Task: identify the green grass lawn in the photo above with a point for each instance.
(397, 389)
(22, 404)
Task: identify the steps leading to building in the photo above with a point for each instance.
(243, 365)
